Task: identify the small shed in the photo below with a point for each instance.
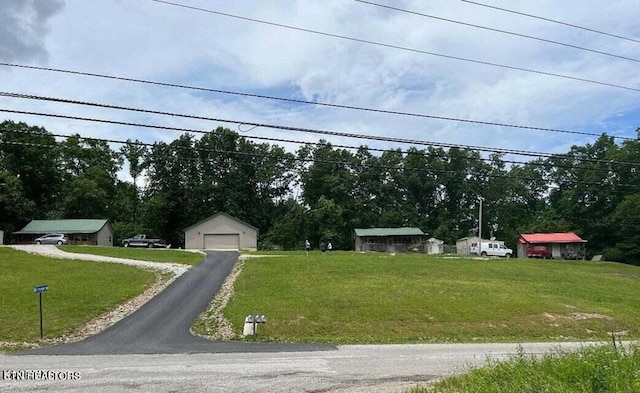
(463, 245)
(221, 232)
(389, 239)
(95, 232)
(435, 246)
(563, 245)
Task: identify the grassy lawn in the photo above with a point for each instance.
(593, 369)
(143, 254)
(78, 291)
(378, 298)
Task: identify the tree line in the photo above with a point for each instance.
(320, 191)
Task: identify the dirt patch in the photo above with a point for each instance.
(625, 275)
(575, 316)
(579, 316)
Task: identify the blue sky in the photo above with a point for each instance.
(160, 42)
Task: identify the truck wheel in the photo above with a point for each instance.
(484, 254)
(59, 242)
(507, 256)
(126, 244)
(38, 242)
(150, 245)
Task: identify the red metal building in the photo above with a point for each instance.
(564, 245)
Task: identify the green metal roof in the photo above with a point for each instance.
(63, 226)
(389, 232)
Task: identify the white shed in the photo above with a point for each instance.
(221, 232)
(435, 246)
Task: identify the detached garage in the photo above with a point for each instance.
(221, 232)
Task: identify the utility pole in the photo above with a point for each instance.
(480, 225)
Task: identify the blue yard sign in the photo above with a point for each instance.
(39, 289)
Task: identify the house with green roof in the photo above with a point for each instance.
(79, 231)
(389, 239)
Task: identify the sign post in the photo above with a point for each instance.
(39, 290)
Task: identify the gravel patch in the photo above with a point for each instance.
(54, 252)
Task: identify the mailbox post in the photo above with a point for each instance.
(251, 324)
(39, 290)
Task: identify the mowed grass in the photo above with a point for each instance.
(590, 369)
(349, 298)
(78, 291)
(142, 254)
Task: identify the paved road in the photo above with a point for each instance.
(161, 326)
(369, 368)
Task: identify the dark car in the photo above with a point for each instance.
(538, 252)
(53, 238)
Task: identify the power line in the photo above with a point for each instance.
(209, 160)
(297, 101)
(498, 30)
(234, 152)
(271, 139)
(289, 128)
(364, 41)
(552, 21)
(291, 158)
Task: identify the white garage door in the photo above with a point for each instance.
(222, 242)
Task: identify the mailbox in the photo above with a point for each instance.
(250, 324)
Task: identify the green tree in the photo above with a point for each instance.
(135, 154)
(625, 237)
(289, 227)
(15, 210)
(31, 154)
(90, 178)
(588, 189)
(328, 182)
(172, 197)
(366, 189)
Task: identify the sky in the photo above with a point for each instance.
(393, 61)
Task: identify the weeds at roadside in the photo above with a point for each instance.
(602, 369)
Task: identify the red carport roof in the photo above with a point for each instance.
(564, 237)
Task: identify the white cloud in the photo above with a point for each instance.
(155, 41)
(23, 28)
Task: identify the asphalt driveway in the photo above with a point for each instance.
(161, 326)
